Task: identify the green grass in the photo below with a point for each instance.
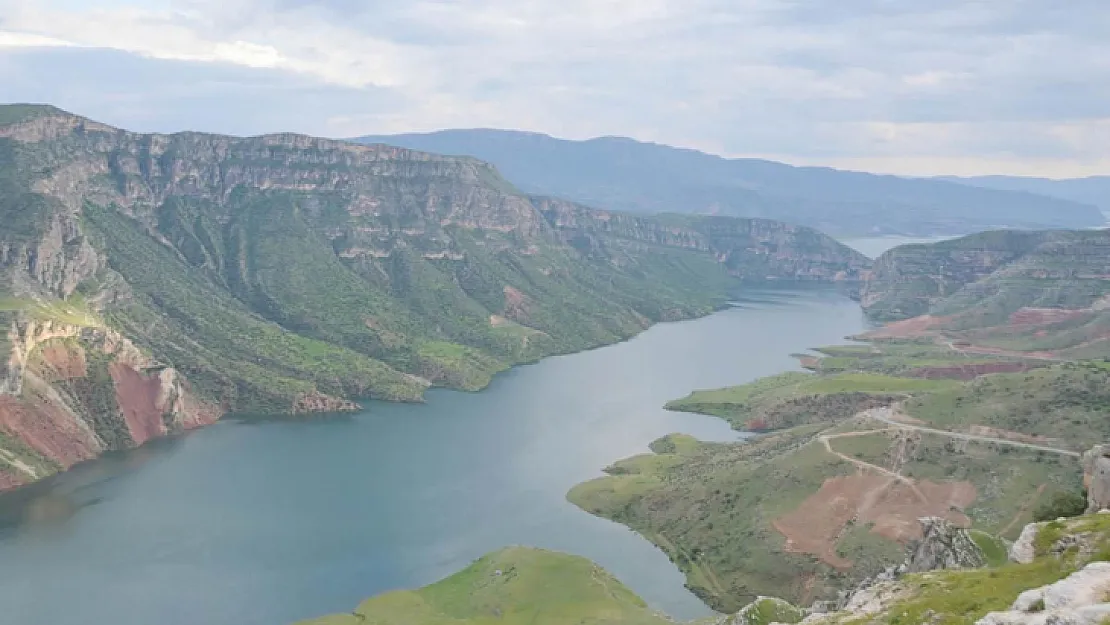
(992, 546)
(514, 586)
(709, 507)
(900, 358)
(768, 610)
(73, 311)
(793, 398)
(1067, 403)
(16, 113)
(963, 597)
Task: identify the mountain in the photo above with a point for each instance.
(623, 174)
(1094, 190)
(153, 283)
(1044, 293)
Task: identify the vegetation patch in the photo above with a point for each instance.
(514, 586)
(1066, 403)
(796, 398)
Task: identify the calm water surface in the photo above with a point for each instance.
(873, 247)
(267, 523)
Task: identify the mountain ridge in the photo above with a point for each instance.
(153, 283)
(625, 174)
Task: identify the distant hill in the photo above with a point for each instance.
(1094, 190)
(624, 174)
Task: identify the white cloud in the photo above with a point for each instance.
(29, 40)
(873, 81)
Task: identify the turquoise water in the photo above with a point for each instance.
(265, 523)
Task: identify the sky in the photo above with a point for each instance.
(914, 87)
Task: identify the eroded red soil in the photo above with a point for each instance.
(47, 428)
(890, 505)
(138, 396)
(59, 361)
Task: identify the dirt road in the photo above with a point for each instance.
(885, 415)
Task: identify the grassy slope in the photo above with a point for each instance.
(509, 587)
(711, 505)
(900, 358)
(741, 404)
(225, 350)
(1065, 402)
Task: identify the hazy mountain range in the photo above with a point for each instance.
(624, 174)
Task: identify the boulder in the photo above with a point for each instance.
(1079, 599)
(943, 546)
(1096, 477)
(1022, 550)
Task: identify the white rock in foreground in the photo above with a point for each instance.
(1079, 599)
(1022, 550)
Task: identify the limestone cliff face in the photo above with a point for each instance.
(1096, 477)
(997, 273)
(389, 191)
(751, 249)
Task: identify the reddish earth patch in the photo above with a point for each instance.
(909, 328)
(138, 398)
(197, 414)
(1045, 316)
(10, 479)
(809, 362)
(47, 428)
(970, 371)
(59, 361)
(891, 506)
(516, 305)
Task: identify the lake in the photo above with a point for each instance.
(264, 523)
(873, 247)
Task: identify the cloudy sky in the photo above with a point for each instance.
(904, 86)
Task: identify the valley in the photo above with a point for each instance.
(152, 285)
(175, 279)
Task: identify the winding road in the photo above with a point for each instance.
(885, 415)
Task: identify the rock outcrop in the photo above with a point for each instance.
(988, 277)
(764, 611)
(74, 392)
(1079, 599)
(1096, 477)
(943, 546)
(318, 402)
(750, 249)
(1023, 550)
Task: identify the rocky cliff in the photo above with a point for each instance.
(750, 249)
(1044, 294)
(990, 275)
(152, 283)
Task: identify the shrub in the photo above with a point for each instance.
(1062, 504)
